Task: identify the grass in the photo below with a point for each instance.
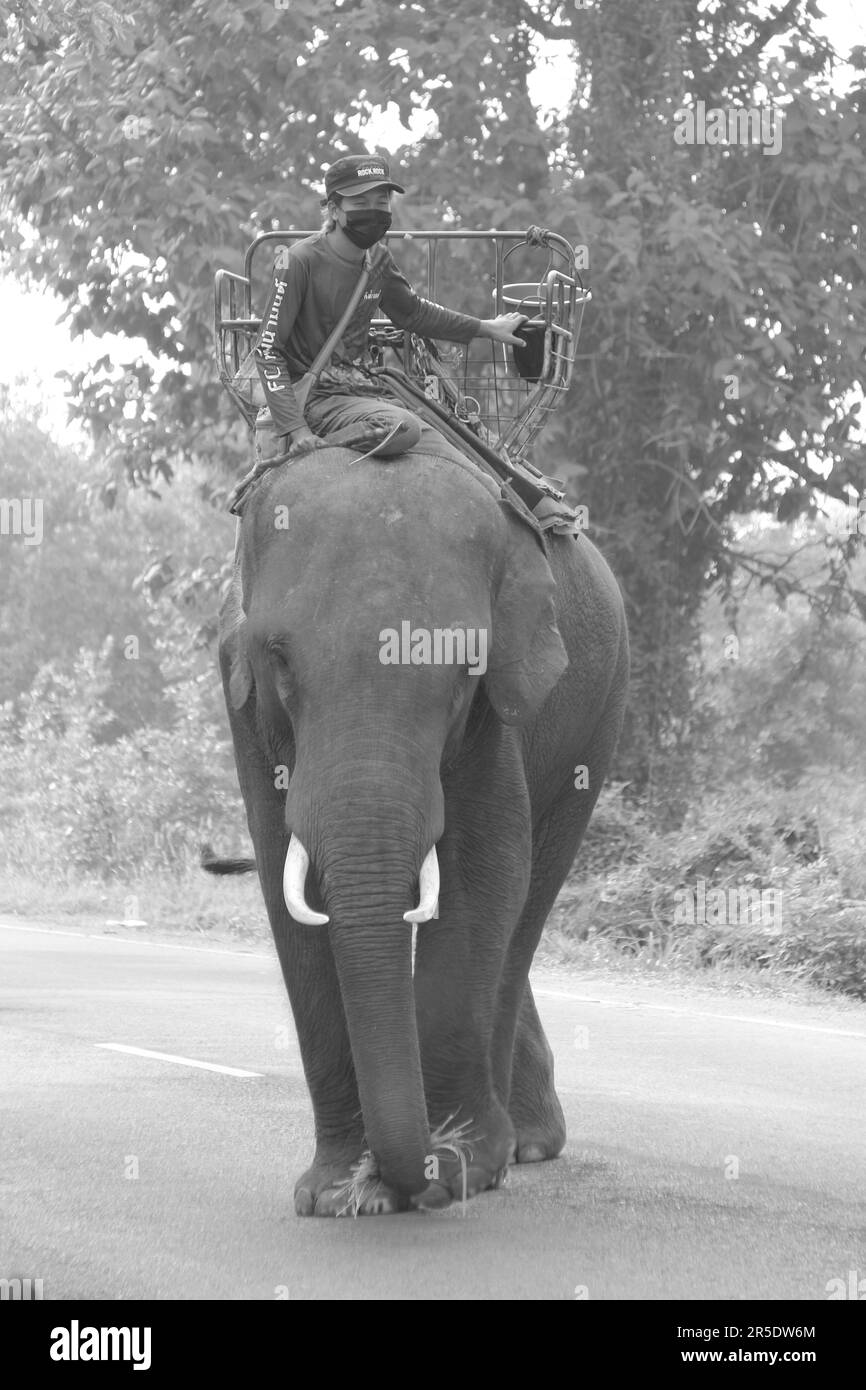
(190, 903)
(623, 903)
(447, 1141)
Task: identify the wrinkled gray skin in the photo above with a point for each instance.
(386, 761)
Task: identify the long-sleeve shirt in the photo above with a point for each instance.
(311, 287)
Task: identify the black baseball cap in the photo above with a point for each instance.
(355, 173)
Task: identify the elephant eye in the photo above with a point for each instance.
(459, 689)
(279, 660)
(283, 676)
(276, 653)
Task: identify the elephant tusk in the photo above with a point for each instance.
(429, 884)
(294, 879)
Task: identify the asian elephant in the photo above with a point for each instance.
(416, 770)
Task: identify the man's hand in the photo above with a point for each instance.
(502, 328)
(302, 440)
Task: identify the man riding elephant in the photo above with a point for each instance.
(313, 282)
(414, 813)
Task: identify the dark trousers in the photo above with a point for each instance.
(325, 413)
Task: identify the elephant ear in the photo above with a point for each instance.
(233, 648)
(527, 656)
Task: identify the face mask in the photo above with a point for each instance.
(366, 226)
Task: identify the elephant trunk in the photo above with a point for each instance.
(375, 973)
(367, 868)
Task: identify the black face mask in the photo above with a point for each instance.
(366, 226)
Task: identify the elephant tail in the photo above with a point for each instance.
(212, 865)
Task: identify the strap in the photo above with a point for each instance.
(537, 501)
(461, 435)
(323, 357)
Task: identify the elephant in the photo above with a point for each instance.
(413, 819)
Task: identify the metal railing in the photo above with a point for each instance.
(480, 382)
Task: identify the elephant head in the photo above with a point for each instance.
(386, 614)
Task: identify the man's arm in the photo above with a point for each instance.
(284, 301)
(408, 310)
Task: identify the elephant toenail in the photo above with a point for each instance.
(378, 1206)
(433, 1198)
(477, 1179)
(532, 1153)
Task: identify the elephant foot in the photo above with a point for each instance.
(540, 1130)
(329, 1189)
(335, 1188)
(476, 1161)
(332, 1200)
(443, 1193)
(469, 1158)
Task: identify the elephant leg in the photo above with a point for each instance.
(536, 1113)
(455, 974)
(522, 1057)
(460, 957)
(308, 969)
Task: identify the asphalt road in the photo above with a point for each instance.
(717, 1148)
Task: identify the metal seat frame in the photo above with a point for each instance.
(558, 299)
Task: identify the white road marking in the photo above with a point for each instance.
(181, 1061)
(131, 941)
(695, 1013)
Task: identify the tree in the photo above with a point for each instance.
(76, 575)
(730, 333)
(727, 335)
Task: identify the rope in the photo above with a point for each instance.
(537, 236)
(380, 444)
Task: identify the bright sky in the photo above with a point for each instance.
(34, 347)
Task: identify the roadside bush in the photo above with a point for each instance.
(631, 886)
(111, 809)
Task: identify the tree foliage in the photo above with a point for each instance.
(143, 148)
(134, 583)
